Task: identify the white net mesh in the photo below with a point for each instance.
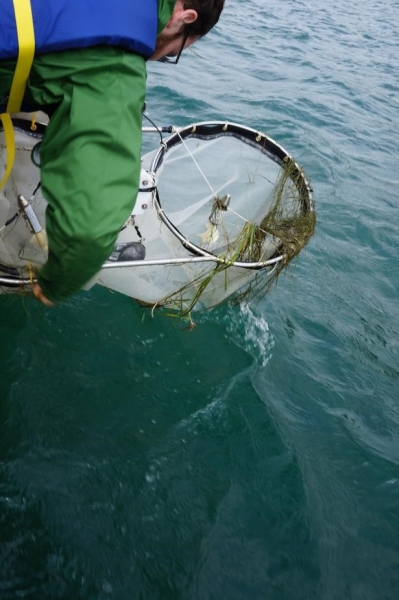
(232, 168)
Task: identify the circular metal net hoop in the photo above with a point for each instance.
(232, 192)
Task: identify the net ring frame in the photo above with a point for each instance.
(208, 130)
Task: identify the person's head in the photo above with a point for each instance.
(190, 20)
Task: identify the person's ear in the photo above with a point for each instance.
(189, 16)
(180, 17)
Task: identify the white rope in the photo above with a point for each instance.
(198, 167)
(25, 148)
(206, 180)
(237, 215)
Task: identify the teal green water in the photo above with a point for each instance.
(256, 456)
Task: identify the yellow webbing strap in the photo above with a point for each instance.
(26, 46)
(26, 52)
(10, 145)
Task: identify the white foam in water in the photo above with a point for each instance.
(258, 341)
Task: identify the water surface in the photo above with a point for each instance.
(256, 456)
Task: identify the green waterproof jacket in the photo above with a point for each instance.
(90, 155)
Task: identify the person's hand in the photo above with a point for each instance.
(38, 293)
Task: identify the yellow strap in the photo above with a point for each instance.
(26, 52)
(10, 145)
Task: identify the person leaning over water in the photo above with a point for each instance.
(90, 155)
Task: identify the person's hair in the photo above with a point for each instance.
(208, 12)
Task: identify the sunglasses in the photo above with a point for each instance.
(173, 60)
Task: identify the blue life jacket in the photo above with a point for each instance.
(70, 24)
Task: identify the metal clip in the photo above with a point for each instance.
(219, 205)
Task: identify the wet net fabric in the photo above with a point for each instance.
(229, 167)
(236, 196)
